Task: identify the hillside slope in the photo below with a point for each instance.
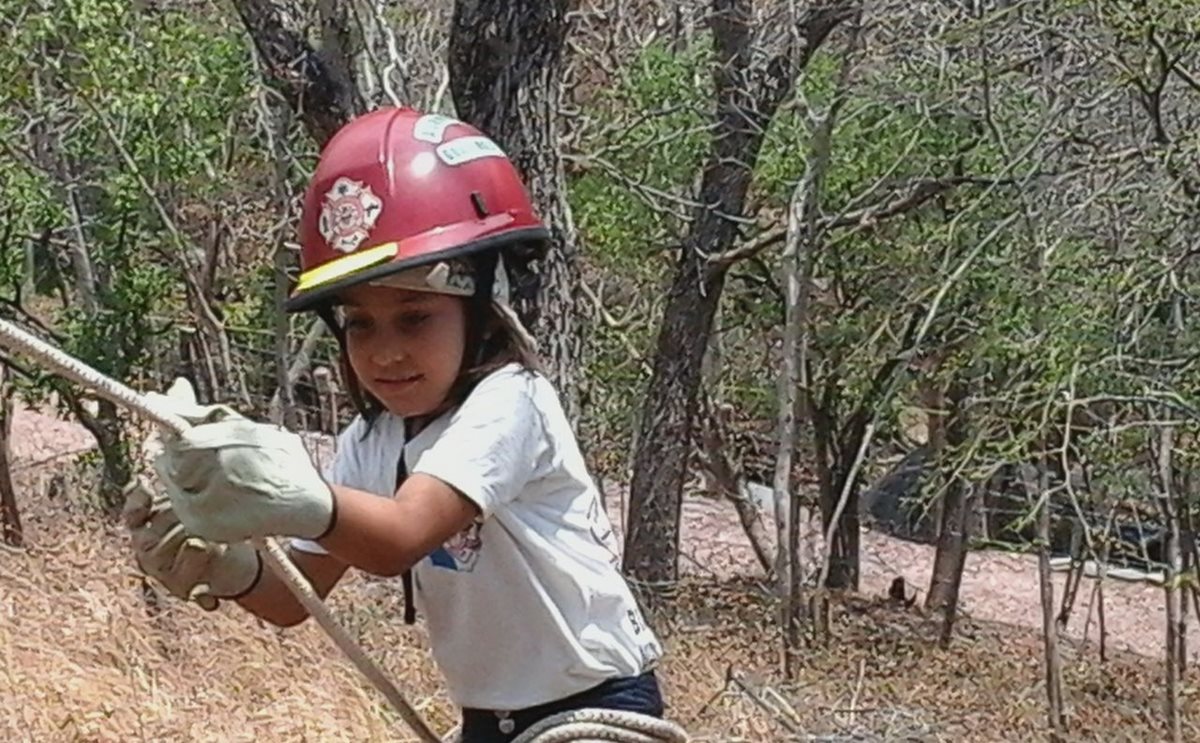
(84, 659)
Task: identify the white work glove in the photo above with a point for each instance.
(190, 568)
(235, 479)
(180, 400)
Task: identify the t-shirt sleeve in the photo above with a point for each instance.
(344, 470)
(490, 449)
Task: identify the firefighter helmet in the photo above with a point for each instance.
(397, 190)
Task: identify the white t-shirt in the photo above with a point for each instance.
(527, 605)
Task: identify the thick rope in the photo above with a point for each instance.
(597, 725)
(590, 725)
(594, 724)
(65, 365)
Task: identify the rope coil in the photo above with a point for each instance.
(577, 726)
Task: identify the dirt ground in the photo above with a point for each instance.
(82, 657)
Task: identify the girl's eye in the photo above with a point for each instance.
(413, 319)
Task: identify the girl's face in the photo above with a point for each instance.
(404, 346)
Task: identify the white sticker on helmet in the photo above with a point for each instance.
(466, 149)
(348, 213)
(432, 128)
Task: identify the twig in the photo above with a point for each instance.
(752, 695)
(862, 667)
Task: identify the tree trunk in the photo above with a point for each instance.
(105, 426)
(801, 244)
(1185, 568)
(10, 515)
(1053, 660)
(277, 120)
(323, 98)
(664, 438)
(339, 40)
(836, 458)
(951, 556)
(750, 84)
(505, 62)
(1172, 591)
(843, 548)
(933, 399)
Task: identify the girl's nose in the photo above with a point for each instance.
(388, 350)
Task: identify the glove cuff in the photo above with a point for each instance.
(333, 516)
(258, 571)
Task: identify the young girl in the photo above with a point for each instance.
(461, 471)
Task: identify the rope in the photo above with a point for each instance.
(65, 365)
(597, 725)
(593, 724)
(589, 725)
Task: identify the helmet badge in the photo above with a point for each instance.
(348, 214)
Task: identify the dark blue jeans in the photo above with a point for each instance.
(633, 694)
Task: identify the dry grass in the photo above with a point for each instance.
(84, 659)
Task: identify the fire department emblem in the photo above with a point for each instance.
(348, 214)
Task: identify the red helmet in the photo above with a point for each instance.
(395, 189)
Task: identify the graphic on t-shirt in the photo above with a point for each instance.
(460, 552)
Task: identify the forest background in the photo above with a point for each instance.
(828, 279)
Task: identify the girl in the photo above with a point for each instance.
(461, 471)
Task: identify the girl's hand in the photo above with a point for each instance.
(235, 479)
(190, 568)
(180, 400)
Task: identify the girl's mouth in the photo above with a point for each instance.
(395, 382)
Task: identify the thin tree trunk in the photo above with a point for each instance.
(841, 522)
(10, 514)
(801, 244)
(1170, 506)
(1189, 567)
(838, 499)
(276, 119)
(788, 568)
(933, 399)
(1052, 658)
(951, 557)
(1171, 589)
(1074, 577)
(1185, 569)
(796, 267)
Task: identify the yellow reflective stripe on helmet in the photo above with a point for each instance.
(344, 266)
